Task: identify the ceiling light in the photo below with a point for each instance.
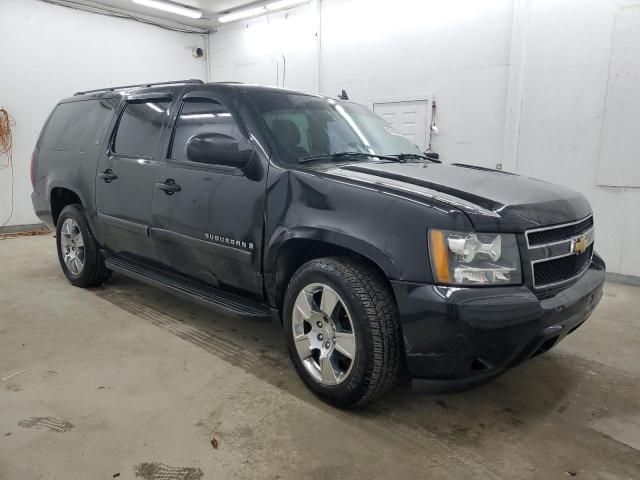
(280, 4)
(251, 12)
(254, 12)
(170, 7)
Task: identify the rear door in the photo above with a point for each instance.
(210, 229)
(126, 173)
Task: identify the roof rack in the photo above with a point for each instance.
(143, 85)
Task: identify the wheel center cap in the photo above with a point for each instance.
(323, 333)
(328, 333)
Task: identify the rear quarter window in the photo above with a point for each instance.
(77, 126)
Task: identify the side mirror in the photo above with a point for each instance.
(217, 149)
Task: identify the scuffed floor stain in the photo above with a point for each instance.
(47, 423)
(160, 471)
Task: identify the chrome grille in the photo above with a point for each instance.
(559, 269)
(541, 237)
(560, 253)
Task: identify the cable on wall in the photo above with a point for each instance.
(433, 130)
(6, 148)
(284, 59)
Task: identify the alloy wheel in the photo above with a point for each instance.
(72, 246)
(323, 334)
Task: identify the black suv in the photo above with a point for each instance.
(311, 211)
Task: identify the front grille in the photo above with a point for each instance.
(560, 269)
(560, 233)
(552, 255)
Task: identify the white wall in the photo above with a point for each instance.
(532, 84)
(279, 49)
(566, 102)
(457, 50)
(49, 52)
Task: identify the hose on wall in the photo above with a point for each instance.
(6, 148)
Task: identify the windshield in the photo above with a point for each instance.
(304, 126)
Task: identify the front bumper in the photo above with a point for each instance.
(456, 338)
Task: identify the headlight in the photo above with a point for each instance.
(467, 258)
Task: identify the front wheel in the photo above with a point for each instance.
(342, 331)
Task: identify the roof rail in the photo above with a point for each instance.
(143, 85)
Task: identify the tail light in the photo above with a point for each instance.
(32, 168)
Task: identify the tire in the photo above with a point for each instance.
(93, 271)
(365, 300)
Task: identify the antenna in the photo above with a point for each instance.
(343, 95)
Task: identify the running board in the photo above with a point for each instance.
(204, 295)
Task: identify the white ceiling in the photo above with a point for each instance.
(211, 9)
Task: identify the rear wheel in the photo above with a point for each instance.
(342, 331)
(78, 251)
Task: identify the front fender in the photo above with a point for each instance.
(340, 239)
(387, 228)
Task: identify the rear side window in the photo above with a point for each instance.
(140, 127)
(202, 116)
(76, 126)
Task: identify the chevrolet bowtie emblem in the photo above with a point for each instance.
(580, 245)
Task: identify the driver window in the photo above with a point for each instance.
(202, 116)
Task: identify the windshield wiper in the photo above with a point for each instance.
(339, 155)
(416, 156)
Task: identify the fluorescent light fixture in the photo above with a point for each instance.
(280, 4)
(170, 7)
(239, 15)
(254, 12)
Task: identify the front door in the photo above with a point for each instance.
(208, 218)
(125, 178)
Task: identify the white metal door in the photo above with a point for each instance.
(408, 118)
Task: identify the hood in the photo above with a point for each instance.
(493, 200)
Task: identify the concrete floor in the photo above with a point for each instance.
(127, 382)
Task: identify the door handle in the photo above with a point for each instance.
(108, 176)
(168, 186)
